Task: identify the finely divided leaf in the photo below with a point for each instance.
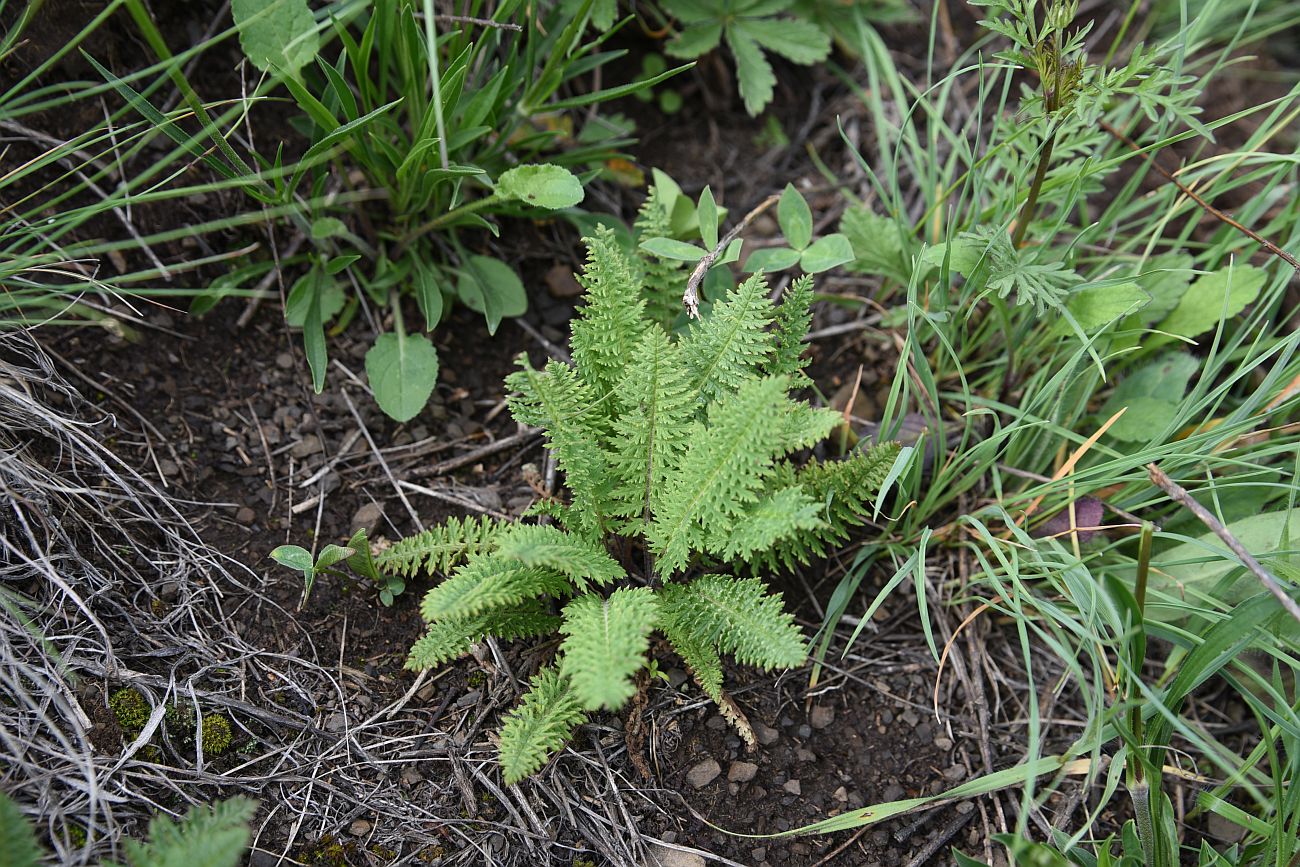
(569, 554)
(737, 616)
(486, 583)
(731, 344)
(606, 644)
(439, 549)
(447, 640)
(540, 725)
(656, 406)
(612, 321)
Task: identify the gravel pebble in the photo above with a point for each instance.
(793, 787)
(742, 772)
(766, 735)
(703, 773)
(822, 715)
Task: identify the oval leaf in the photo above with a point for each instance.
(707, 213)
(670, 248)
(772, 259)
(276, 35)
(293, 556)
(1213, 298)
(491, 287)
(795, 218)
(544, 186)
(826, 253)
(402, 369)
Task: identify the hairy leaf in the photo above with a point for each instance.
(737, 616)
(606, 644)
(540, 725)
(569, 554)
(489, 582)
(438, 550)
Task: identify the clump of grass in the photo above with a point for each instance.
(1068, 316)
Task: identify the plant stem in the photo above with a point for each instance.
(444, 219)
(431, 38)
(1031, 202)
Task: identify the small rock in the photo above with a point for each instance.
(955, 773)
(805, 731)
(663, 856)
(284, 361)
(411, 777)
(561, 283)
(742, 772)
(893, 792)
(308, 445)
(841, 794)
(245, 516)
(793, 787)
(822, 716)
(704, 773)
(468, 699)
(759, 855)
(676, 677)
(942, 743)
(359, 828)
(169, 591)
(367, 517)
(804, 755)
(335, 722)
(716, 723)
(766, 735)
(168, 468)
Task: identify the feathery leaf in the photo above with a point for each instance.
(489, 582)
(726, 465)
(609, 325)
(655, 406)
(208, 836)
(576, 422)
(17, 840)
(737, 616)
(539, 726)
(662, 280)
(793, 316)
(449, 639)
(730, 345)
(844, 492)
(567, 553)
(606, 644)
(439, 549)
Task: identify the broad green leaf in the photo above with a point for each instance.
(772, 259)
(402, 370)
(428, 295)
(294, 557)
(707, 213)
(826, 253)
(328, 294)
(1165, 278)
(963, 255)
(332, 554)
(1214, 298)
(795, 218)
(544, 186)
(276, 35)
(313, 336)
(695, 40)
(327, 227)
(491, 287)
(752, 71)
(1095, 307)
(670, 248)
(1203, 563)
(1152, 394)
(797, 41)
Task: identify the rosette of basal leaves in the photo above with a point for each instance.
(682, 483)
(751, 29)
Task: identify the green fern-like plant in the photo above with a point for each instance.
(212, 836)
(678, 450)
